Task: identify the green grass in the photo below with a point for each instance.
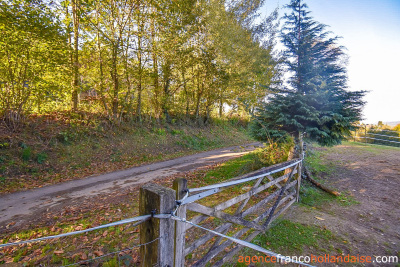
(289, 238)
(315, 161)
(294, 237)
(376, 149)
(233, 168)
(315, 197)
(312, 196)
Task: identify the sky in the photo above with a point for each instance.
(370, 30)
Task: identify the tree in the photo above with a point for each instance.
(32, 55)
(315, 101)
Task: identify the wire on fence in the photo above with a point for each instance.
(244, 180)
(244, 243)
(387, 131)
(142, 219)
(384, 135)
(365, 137)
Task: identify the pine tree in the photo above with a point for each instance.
(316, 101)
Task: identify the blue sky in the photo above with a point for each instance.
(370, 30)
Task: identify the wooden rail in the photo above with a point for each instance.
(253, 213)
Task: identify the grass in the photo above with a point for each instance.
(289, 238)
(315, 197)
(294, 237)
(315, 161)
(233, 168)
(374, 148)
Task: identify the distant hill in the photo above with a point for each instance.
(392, 123)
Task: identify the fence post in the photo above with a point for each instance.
(155, 199)
(365, 133)
(299, 170)
(180, 187)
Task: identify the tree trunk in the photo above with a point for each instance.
(221, 108)
(140, 70)
(76, 56)
(101, 78)
(114, 74)
(197, 110)
(156, 99)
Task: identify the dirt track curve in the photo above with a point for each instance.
(19, 207)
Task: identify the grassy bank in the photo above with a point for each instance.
(51, 150)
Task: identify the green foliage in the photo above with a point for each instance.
(66, 137)
(293, 237)
(165, 61)
(255, 160)
(233, 168)
(159, 131)
(196, 142)
(275, 153)
(26, 153)
(316, 102)
(41, 157)
(32, 53)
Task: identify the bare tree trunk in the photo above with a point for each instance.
(140, 70)
(186, 94)
(114, 74)
(166, 91)
(157, 93)
(197, 110)
(101, 78)
(75, 56)
(221, 107)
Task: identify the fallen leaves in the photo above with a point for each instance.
(98, 253)
(59, 252)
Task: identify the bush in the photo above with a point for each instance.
(275, 152)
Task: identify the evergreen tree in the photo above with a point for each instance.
(316, 101)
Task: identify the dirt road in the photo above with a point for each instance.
(19, 207)
(371, 226)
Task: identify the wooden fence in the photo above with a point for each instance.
(241, 208)
(377, 136)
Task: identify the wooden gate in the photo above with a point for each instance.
(260, 198)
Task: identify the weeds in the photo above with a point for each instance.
(41, 157)
(26, 153)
